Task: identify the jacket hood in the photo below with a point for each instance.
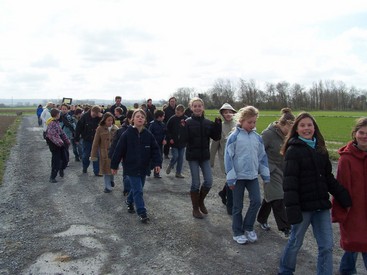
(352, 149)
(227, 106)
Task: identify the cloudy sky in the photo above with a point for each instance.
(147, 49)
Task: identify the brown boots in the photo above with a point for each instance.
(197, 200)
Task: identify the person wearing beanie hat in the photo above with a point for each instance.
(227, 112)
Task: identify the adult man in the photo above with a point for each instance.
(86, 128)
(168, 112)
(118, 104)
(150, 106)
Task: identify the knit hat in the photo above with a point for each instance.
(227, 106)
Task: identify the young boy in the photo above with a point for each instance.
(58, 143)
(158, 129)
(119, 118)
(139, 150)
(176, 136)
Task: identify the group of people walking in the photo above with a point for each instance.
(290, 155)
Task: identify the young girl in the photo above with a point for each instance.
(58, 143)
(307, 182)
(199, 131)
(273, 137)
(227, 112)
(101, 143)
(137, 148)
(245, 158)
(352, 167)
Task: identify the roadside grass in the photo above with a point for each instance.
(336, 127)
(18, 110)
(8, 129)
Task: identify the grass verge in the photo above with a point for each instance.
(7, 140)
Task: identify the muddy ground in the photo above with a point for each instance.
(72, 227)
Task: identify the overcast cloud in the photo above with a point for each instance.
(141, 49)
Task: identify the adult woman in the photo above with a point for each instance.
(307, 182)
(273, 137)
(352, 167)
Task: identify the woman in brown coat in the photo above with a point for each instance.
(101, 144)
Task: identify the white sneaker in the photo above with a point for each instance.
(241, 239)
(251, 236)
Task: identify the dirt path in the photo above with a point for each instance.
(72, 227)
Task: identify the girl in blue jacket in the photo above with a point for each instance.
(245, 158)
(137, 149)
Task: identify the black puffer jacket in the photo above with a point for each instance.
(308, 180)
(199, 132)
(86, 127)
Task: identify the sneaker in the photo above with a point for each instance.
(98, 175)
(169, 168)
(223, 197)
(107, 190)
(180, 176)
(265, 226)
(130, 207)
(157, 176)
(53, 180)
(61, 173)
(251, 236)
(144, 218)
(112, 184)
(241, 239)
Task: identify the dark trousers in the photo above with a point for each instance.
(59, 160)
(166, 149)
(278, 211)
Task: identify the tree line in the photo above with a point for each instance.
(322, 95)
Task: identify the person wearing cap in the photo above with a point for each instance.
(227, 112)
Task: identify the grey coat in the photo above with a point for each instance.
(273, 140)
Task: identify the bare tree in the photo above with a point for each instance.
(248, 92)
(183, 95)
(222, 91)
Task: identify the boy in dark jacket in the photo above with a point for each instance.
(138, 150)
(86, 128)
(158, 129)
(176, 136)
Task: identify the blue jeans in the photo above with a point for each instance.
(107, 181)
(195, 167)
(77, 149)
(177, 157)
(126, 183)
(348, 263)
(87, 148)
(136, 193)
(323, 232)
(239, 226)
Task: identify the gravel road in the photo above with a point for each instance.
(72, 227)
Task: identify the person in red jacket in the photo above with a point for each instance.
(352, 167)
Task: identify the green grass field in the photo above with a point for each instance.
(336, 127)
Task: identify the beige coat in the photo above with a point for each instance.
(101, 143)
(220, 145)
